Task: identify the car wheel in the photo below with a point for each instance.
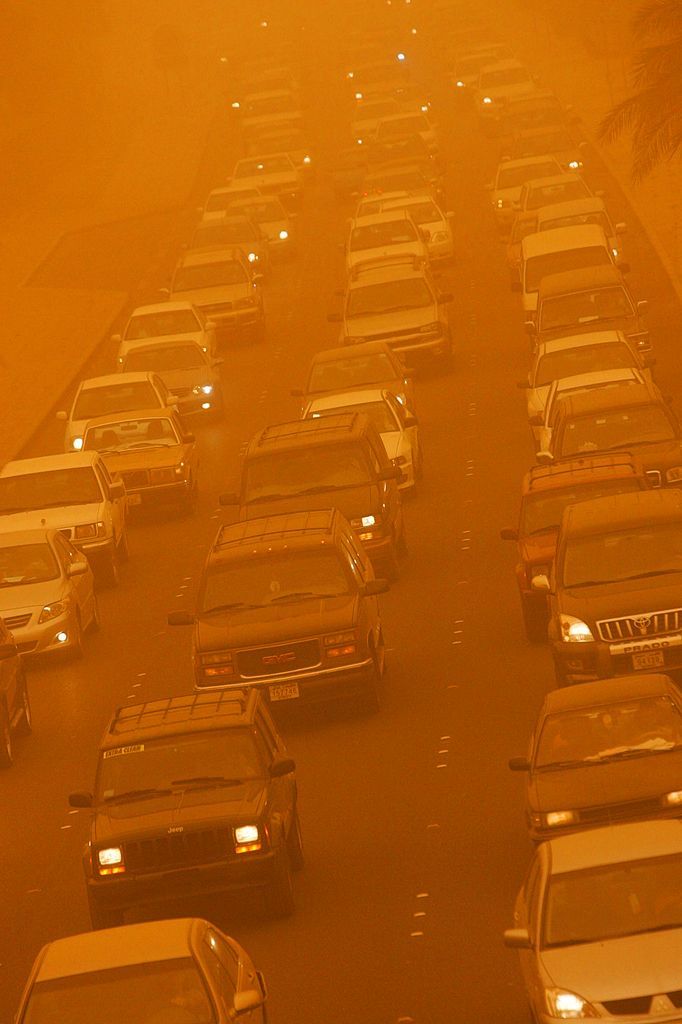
(6, 752)
(295, 844)
(122, 551)
(103, 917)
(280, 896)
(109, 572)
(535, 623)
(75, 648)
(25, 723)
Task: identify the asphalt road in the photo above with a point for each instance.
(412, 823)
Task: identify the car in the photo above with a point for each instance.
(274, 174)
(510, 178)
(370, 363)
(191, 376)
(194, 795)
(347, 172)
(15, 703)
(184, 969)
(288, 607)
(166, 319)
(545, 492)
(47, 592)
(307, 465)
(152, 453)
(576, 354)
(523, 224)
(616, 586)
(274, 221)
(466, 66)
(555, 252)
(554, 188)
(378, 77)
(597, 924)
(74, 494)
(219, 199)
(115, 392)
(555, 140)
(269, 107)
(284, 138)
(603, 752)
(397, 427)
(587, 300)
(583, 211)
(379, 235)
(224, 230)
(366, 116)
(580, 384)
(404, 177)
(539, 110)
(498, 82)
(429, 218)
(393, 126)
(224, 285)
(395, 299)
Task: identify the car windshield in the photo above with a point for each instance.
(27, 563)
(171, 990)
(263, 165)
(559, 192)
(260, 582)
(270, 105)
(159, 764)
(542, 510)
(576, 219)
(613, 900)
(593, 735)
(504, 76)
(224, 234)
(379, 413)
(306, 470)
(422, 213)
(570, 362)
(538, 267)
(352, 372)
(585, 307)
(373, 236)
(100, 401)
(264, 211)
(53, 488)
(221, 200)
(402, 126)
(165, 357)
(389, 297)
(649, 550)
(156, 325)
(514, 177)
(616, 428)
(125, 435)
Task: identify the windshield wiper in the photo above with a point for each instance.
(137, 794)
(207, 780)
(556, 765)
(587, 583)
(629, 754)
(320, 488)
(295, 595)
(227, 607)
(646, 575)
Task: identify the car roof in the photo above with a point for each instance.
(567, 472)
(178, 715)
(577, 236)
(589, 204)
(334, 429)
(267, 534)
(109, 948)
(16, 538)
(380, 218)
(601, 276)
(615, 844)
(162, 307)
(570, 341)
(529, 161)
(133, 377)
(45, 463)
(605, 691)
(554, 179)
(365, 348)
(200, 257)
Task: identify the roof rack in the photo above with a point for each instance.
(169, 711)
(300, 428)
(278, 527)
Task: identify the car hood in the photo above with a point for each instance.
(602, 784)
(52, 518)
(187, 808)
(217, 293)
(539, 547)
(611, 600)
(600, 971)
(187, 378)
(146, 458)
(279, 623)
(383, 323)
(27, 596)
(352, 501)
(415, 248)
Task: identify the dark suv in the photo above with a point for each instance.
(328, 461)
(287, 604)
(194, 795)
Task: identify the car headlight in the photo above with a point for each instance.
(575, 165)
(253, 257)
(77, 443)
(499, 203)
(487, 100)
(51, 611)
(430, 328)
(673, 799)
(87, 531)
(460, 84)
(283, 235)
(306, 159)
(202, 389)
(568, 1005)
(247, 839)
(575, 630)
(359, 95)
(110, 861)
(673, 475)
(556, 819)
(236, 105)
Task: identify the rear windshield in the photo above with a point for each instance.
(570, 362)
(344, 374)
(514, 177)
(101, 401)
(600, 304)
(306, 471)
(373, 236)
(561, 192)
(165, 357)
(594, 217)
(538, 267)
(616, 428)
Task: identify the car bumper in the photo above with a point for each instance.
(234, 321)
(601, 660)
(158, 494)
(194, 405)
(319, 685)
(42, 638)
(541, 835)
(419, 347)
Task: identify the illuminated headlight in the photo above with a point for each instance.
(110, 861)
(306, 159)
(283, 235)
(402, 399)
(487, 100)
(460, 84)
(52, 611)
(615, 253)
(568, 1005)
(359, 141)
(202, 389)
(673, 475)
(87, 531)
(368, 521)
(214, 666)
(358, 95)
(252, 257)
(556, 819)
(575, 630)
(501, 203)
(430, 328)
(77, 443)
(400, 57)
(236, 105)
(575, 165)
(673, 799)
(247, 839)
(350, 74)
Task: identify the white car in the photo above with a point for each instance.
(273, 173)
(510, 178)
(74, 494)
(556, 188)
(590, 210)
(367, 114)
(397, 426)
(555, 252)
(499, 82)
(273, 219)
(164, 319)
(383, 234)
(47, 592)
(189, 373)
(118, 392)
(429, 218)
(407, 123)
(219, 199)
(578, 354)
(598, 925)
(542, 429)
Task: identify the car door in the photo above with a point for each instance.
(527, 916)
(117, 504)
(82, 586)
(408, 425)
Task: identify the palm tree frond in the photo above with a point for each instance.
(658, 17)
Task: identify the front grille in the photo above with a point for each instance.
(642, 625)
(608, 813)
(182, 849)
(621, 1007)
(388, 335)
(216, 308)
(135, 478)
(264, 661)
(17, 621)
(182, 392)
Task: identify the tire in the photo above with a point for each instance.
(535, 623)
(122, 550)
(280, 895)
(109, 572)
(25, 723)
(371, 698)
(295, 844)
(75, 649)
(6, 751)
(103, 917)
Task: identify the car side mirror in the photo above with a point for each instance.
(77, 569)
(334, 318)
(529, 327)
(247, 1000)
(296, 392)
(509, 533)
(189, 438)
(229, 498)
(373, 587)
(445, 297)
(61, 415)
(519, 764)
(282, 766)
(517, 938)
(540, 583)
(544, 457)
(116, 338)
(411, 421)
(8, 651)
(180, 619)
(642, 305)
(621, 228)
(117, 490)
(515, 286)
(395, 473)
(80, 799)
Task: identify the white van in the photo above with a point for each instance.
(556, 251)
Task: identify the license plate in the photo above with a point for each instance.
(284, 691)
(648, 659)
(134, 499)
